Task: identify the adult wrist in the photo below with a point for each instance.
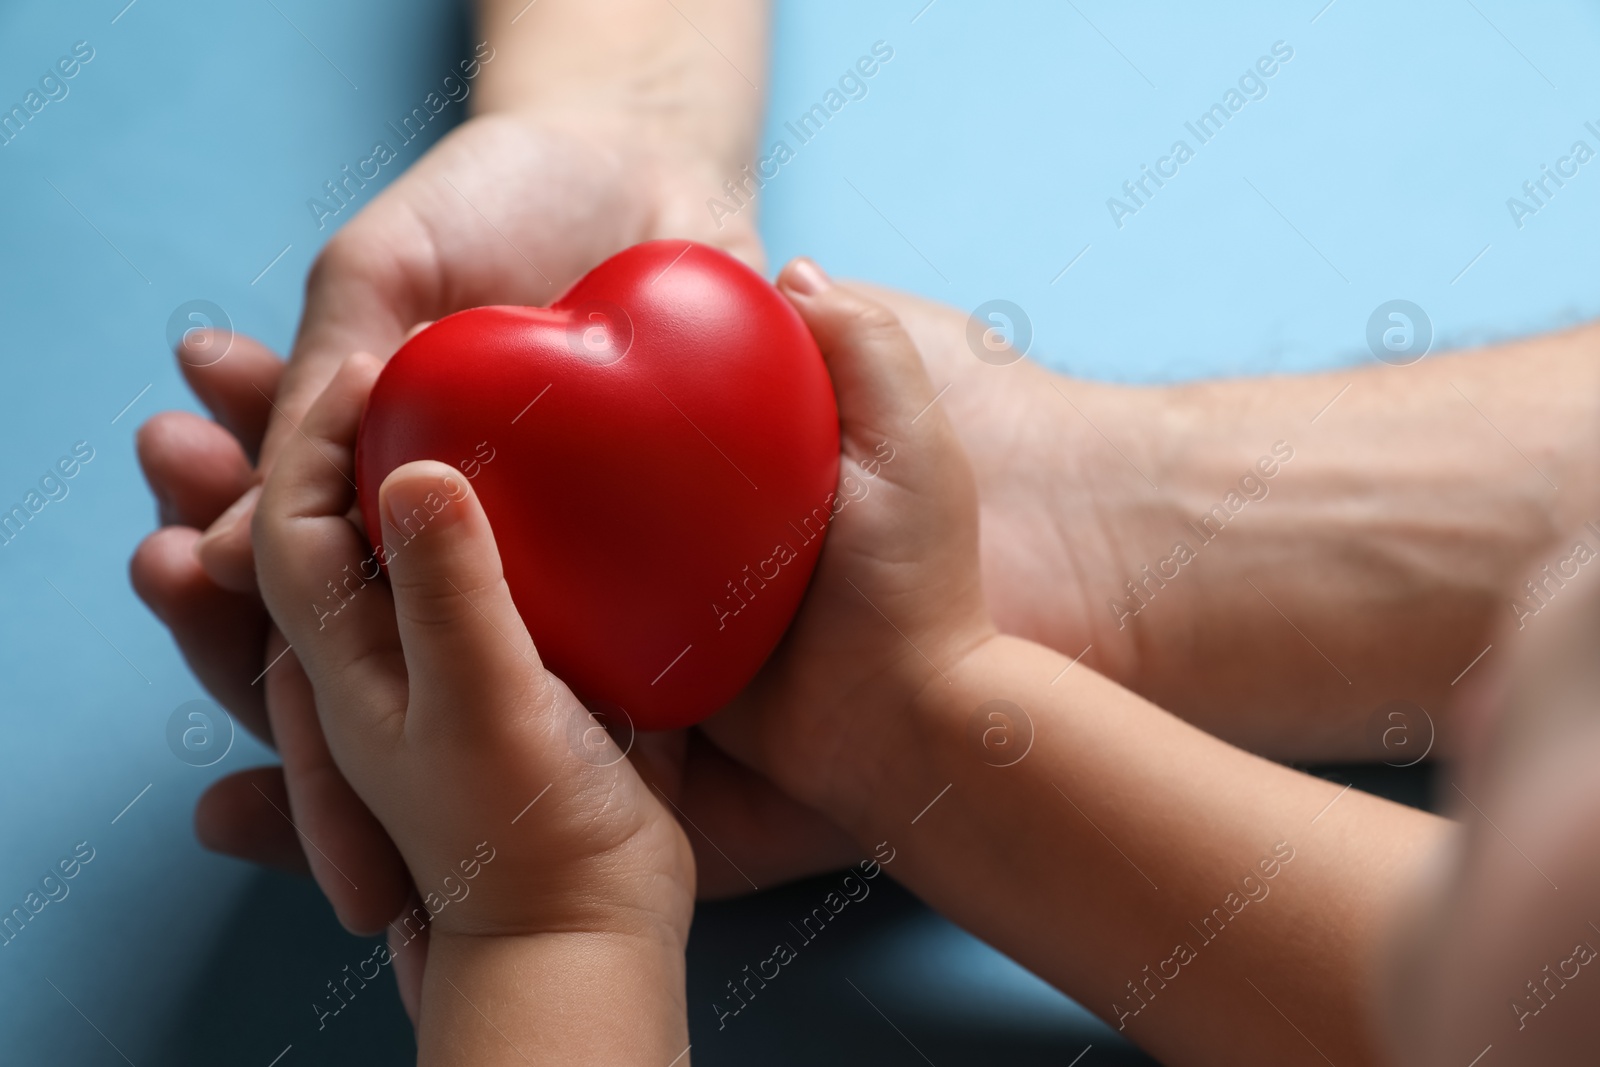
(654, 81)
(1109, 466)
(673, 179)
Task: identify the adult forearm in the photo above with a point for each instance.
(1184, 890)
(1382, 554)
(690, 72)
(1373, 565)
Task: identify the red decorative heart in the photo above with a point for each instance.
(657, 452)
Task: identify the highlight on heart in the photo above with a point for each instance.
(660, 424)
(514, 513)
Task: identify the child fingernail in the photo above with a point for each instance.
(806, 278)
(414, 504)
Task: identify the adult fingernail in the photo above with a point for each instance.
(239, 511)
(806, 278)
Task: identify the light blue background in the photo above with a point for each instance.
(981, 162)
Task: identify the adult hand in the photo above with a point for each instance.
(891, 689)
(451, 233)
(197, 469)
(509, 208)
(1389, 539)
(745, 833)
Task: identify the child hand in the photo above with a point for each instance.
(895, 601)
(519, 832)
(880, 706)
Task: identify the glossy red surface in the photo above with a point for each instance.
(657, 452)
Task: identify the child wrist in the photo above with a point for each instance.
(930, 726)
(598, 920)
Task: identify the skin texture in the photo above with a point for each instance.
(437, 709)
(1381, 554)
(1348, 869)
(615, 164)
(1416, 498)
(1087, 856)
(628, 145)
(1404, 533)
(1494, 946)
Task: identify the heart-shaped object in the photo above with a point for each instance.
(657, 453)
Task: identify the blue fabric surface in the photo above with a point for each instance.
(978, 165)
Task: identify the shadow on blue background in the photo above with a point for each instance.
(1376, 166)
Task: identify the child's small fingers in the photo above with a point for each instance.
(465, 644)
(879, 378)
(317, 464)
(318, 574)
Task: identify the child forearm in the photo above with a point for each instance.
(554, 998)
(1215, 906)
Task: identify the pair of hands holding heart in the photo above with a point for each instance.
(402, 262)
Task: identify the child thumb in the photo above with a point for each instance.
(461, 633)
(879, 381)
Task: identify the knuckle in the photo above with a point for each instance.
(871, 322)
(433, 601)
(383, 249)
(354, 255)
(344, 254)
